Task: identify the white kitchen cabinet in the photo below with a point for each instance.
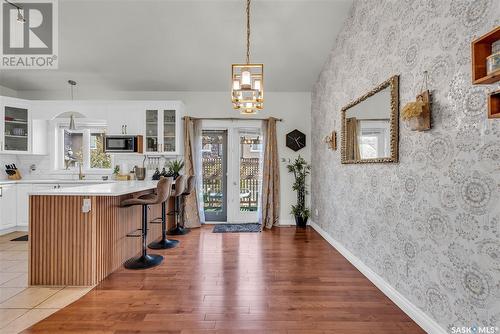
(125, 115)
(23, 203)
(164, 133)
(40, 141)
(15, 128)
(8, 206)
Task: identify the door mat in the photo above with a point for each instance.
(236, 228)
(22, 238)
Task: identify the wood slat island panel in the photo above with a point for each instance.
(69, 247)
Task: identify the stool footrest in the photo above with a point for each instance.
(157, 220)
(132, 235)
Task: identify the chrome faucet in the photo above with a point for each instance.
(81, 176)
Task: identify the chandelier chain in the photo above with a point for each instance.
(248, 31)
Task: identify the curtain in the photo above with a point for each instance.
(261, 168)
(191, 206)
(352, 146)
(270, 177)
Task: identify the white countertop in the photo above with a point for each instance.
(51, 181)
(116, 188)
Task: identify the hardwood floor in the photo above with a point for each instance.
(279, 281)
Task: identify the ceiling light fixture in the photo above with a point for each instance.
(20, 17)
(72, 125)
(247, 91)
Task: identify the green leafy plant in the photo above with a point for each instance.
(175, 166)
(98, 158)
(300, 169)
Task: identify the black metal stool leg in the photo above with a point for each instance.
(145, 260)
(178, 230)
(164, 243)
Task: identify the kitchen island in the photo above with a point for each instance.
(78, 235)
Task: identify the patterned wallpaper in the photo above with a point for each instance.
(430, 225)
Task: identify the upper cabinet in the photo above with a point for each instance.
(15, 127)
(164, 129)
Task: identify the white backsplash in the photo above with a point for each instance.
(44, 170)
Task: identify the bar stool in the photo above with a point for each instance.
(163, 243)
(191, 181)
(146, 260)
(180, 187)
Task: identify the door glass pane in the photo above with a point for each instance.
(151, 130)
(250, 151)
(214, 164)
(98, 159)
(16, 129)
(73, 148)
(169, 130)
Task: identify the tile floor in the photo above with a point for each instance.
(22, 306)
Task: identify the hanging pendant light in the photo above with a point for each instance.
(72, 125)
(248, 81)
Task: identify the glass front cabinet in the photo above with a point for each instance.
(15, 126)
(164, 130)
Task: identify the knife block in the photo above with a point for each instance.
(16, 176)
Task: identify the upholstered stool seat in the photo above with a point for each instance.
(181, 229)
(180, 187)
(164, 242)
(146, 260)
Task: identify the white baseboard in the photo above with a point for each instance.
(14, 229)
(287, 222)
(420, 317)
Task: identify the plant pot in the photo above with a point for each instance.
(300, 221)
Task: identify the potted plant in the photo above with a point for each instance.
(300, 169)
(175, 167)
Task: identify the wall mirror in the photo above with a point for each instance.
(370, 128)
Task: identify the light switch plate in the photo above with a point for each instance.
(87, 206)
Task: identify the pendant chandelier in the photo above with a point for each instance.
(72, 125)
(248, 81)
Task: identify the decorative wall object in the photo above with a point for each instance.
(430, 225)
(370, 125)
(295, 140)
(494, 104)
(418, 113)
(485, 58)
(331, 140)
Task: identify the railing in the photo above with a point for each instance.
(212, 184)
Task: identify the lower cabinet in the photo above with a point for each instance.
(23, 209)
(8, 206)
(14, 202)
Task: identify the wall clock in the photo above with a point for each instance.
(295, 140)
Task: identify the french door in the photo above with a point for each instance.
(232, 177)
(214, 166)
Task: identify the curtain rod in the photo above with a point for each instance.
(232, 118)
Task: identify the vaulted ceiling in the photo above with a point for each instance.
(158, 45)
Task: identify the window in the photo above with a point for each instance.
(73, 148)
(374, 139)
(85, 146)
(98, 158)
(256, 147)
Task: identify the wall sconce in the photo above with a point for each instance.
(331, 140)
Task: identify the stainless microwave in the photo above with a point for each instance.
(123, 144)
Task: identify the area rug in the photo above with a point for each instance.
(236, 228)
(21, 238)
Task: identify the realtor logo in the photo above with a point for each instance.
(29, 38)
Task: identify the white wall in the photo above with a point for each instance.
(422, 225)
(293, 108)
(4, 91)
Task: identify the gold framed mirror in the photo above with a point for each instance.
(370, 126)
